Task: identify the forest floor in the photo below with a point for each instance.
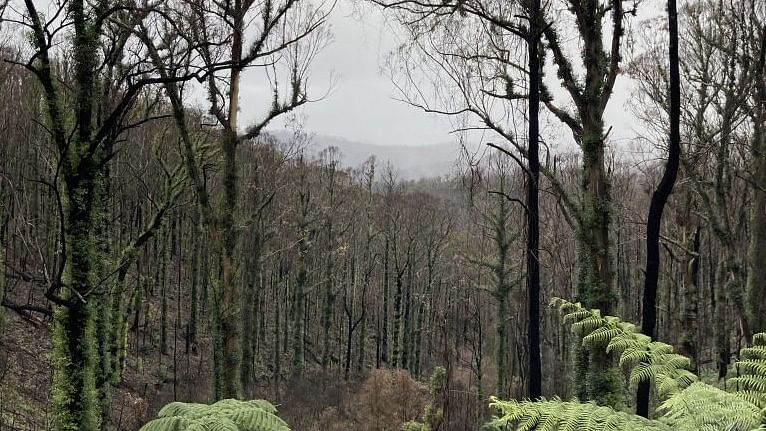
(380, 400)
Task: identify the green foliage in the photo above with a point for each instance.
(433, 415)
(224, 415)
(751, 371)
(645, 359)
(686, 403)
(555, 414)
(706, 408)
(414, 426)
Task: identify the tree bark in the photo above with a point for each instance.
(533, 216)
(756, 280)
(659, 199)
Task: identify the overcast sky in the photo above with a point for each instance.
(361, 105)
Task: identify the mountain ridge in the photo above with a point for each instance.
(409, 162)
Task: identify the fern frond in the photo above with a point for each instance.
(224, 415)
(555, 414)
(750, 383)
(646, 360)
(706, 408)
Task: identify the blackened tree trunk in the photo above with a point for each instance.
(533, 216)
(659, 199)
(756, 276)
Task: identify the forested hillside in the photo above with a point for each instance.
(167, 265)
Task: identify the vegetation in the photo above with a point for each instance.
(228, 414)
(175, 239)
(685, 403)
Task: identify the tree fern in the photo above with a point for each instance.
(751, 381)
(224, 415)
(646, 360)
(686, 403)
(702, 407)
(555, 414)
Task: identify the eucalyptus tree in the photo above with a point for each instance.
(89, 105)
(756, 274)
(280, 40)
(473, 51)
(495, 213)
(718, 72)
(660, 198)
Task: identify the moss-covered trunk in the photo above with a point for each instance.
(501, 352)
(75, 393)
(599, 382)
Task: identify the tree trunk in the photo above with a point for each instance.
(533, 216)
(756, 280)
(690, 304)
(657, 205)
(76, 405)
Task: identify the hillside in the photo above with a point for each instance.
(409, 162)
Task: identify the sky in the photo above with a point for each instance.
(360, 102)
(360, 105)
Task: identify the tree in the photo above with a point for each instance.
(659, 199)
(288, 35)
(532, 202)
(85, 122)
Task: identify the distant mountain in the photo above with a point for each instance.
(409, 162)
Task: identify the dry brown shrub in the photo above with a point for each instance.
(129, 410)
(387, 399)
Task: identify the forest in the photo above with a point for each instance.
(168, 263)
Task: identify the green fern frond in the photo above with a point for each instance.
(555, 415)
(750, 382)
(686, 403)
(646, 360)
(706, 408)
(224, 415)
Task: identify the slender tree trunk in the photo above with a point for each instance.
(657, 205)
(329, 305)
(191, 342)
(533, 216)
(690, 308)
(386, 295)
(756, 275)
(501, 352)
(397, 329)
(248, 328)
